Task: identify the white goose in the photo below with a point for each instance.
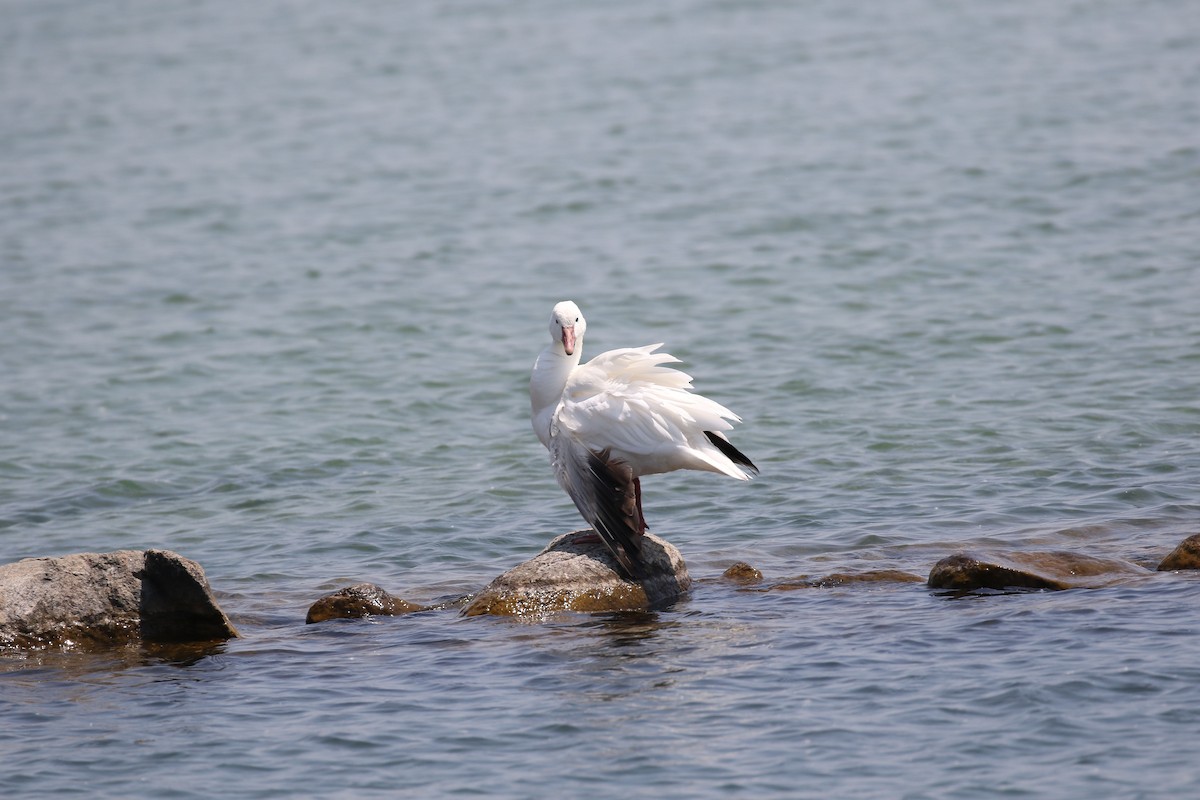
(618, 417)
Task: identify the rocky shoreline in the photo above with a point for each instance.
(576, 573)
(97, 600)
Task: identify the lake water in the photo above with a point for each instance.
(272, 277)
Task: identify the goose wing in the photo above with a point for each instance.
(645, 414)
(603, 490)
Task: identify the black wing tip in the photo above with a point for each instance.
(731, 452)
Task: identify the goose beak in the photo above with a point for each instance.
(568, 339)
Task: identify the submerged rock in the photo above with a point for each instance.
(845, 579)
(1054, 569)
(99, 599)
(1185, 556)
(576, 572)
(743, 573)
(359, 600)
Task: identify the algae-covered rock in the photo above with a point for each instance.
(1185, 556)
(99, 599)
(576, 572)
(1054, 569)
(871, 576)
(359, 600)
(743, 573)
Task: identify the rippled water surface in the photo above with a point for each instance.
(272, 277)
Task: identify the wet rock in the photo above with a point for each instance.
(576, 572)
(846, 579)
(742, 573)
(1185, 556)
(101, 599)
(359, 600)
(1054, 569)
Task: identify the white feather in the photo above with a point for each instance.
(644, 414)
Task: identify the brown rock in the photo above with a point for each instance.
(1054, 569)
(741, 572)
(100, 599)
(1185, 556)
(846, 579)
(576, 572)
(359, 600)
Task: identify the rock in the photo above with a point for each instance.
(846, 579)
(359, 600)
(99, 599)
(743, 573)
(576, 572)
(1185, 556)
(1054, 569)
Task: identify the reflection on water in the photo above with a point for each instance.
(84, 663)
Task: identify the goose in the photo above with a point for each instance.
(620, 416)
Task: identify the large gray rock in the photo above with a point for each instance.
(1055, 569)
(97, 599)
(576, 572)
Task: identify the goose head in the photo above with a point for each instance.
(567, 326)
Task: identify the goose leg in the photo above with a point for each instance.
(637, 493)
